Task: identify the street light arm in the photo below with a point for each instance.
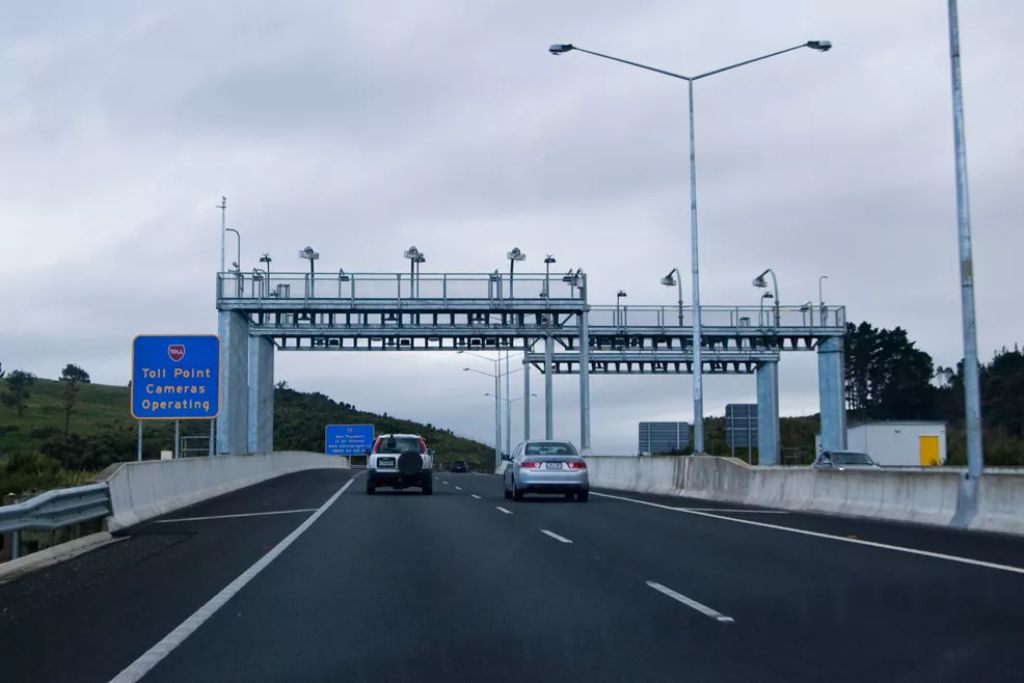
(749, 61)
(479, 372)
(636, 64)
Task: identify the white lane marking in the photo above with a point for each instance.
(555, 536)
(444, 482)
(475, 496)
(458, 488)
(507, 512)
(154, 655)
(246, 514)
(739, 511)
(690, 602)
(818, 534)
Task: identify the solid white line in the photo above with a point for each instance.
(458, 488)
(818, 534)
(141, 666)
(475, 496)
(689, 602)
(555, 536)
(739, 511)
(507, 512)
(247, 514)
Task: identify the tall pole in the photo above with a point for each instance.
(223, 206)
(698, 366)
(679, 282)
(497, 416)
(972, 400)
(526, 399)
(138, 446)
(177, 439)
(549, 409)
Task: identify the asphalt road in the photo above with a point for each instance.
(465, 585)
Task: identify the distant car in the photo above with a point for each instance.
(458, 466)
(546, 467)
(400, 461)
(845, 460)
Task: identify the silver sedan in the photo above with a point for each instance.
(546, 467)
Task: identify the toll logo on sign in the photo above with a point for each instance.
(176, 352)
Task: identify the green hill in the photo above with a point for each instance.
(102, 431)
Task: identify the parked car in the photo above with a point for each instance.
(546, 467)
(400, 461)
(458, 466)
(845, 460)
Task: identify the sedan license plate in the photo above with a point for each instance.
(386, 462)
(553, 465)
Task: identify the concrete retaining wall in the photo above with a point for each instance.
(925, 496)
(142, 490)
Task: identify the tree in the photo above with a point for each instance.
(72, 376)
(886, 376)
(17, 393)
(2, 373)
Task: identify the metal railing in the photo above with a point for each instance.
(768, 318)
(380, 287)
(53, 510)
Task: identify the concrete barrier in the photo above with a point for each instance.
(142, 490)
(924, 496)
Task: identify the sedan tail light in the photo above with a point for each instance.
(529, 465)
(577, 465)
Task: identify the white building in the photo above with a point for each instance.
(908, 443)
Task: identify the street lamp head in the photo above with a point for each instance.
(670, 279)
(767, 295)
(516, 255)
(265, 259)
(621, 293)
(820, 45)
(412, 253)
(759, 281)
(308, 253)
(559, 48)
(549, 259)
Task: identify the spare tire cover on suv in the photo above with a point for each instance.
(410, 464)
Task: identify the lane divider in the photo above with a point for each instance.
(501, 509)
(244, 514)
(690, 602)
(818, 534)
(552, 534)
(154, 655)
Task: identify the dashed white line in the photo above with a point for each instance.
(444, 482)
(552, 534)
(475, 496)
(690, 602)
(154, 655)
(458, 488)
(245, 514)
(818, 534)
(501, 509)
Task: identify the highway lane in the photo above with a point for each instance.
(465, 585)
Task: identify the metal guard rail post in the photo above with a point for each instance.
(54, 510)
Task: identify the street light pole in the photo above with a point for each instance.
(698, 397)
(548, 260)
(223, 206)
(673, 280)
(515, 255)
(821, 299)
(972, 400)
(759, 282)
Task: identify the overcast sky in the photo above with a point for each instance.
(361, 128)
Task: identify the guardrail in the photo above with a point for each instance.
(754, 317)
(53, 510)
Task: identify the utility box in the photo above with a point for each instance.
(910, 443)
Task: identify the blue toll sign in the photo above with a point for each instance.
(175, 377)
(348, 439)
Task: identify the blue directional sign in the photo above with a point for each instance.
(348, 439)
(176, 377)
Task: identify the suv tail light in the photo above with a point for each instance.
(529, 465)
(577, 465)
(423, 446)
(376, 445)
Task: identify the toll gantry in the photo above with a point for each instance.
(548, 318)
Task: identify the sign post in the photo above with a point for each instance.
(175, 377)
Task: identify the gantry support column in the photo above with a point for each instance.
(831, 389)
(234, 382)
(549, 408)
(584, 383)
(768, 413)
(261, 395)
(526, 397)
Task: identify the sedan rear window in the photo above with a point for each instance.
(550, 448)
(849, 458)
(399, 444)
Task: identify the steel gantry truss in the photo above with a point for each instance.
(549, 319)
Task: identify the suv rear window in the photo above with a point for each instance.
(398, 444)
(550, 448)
